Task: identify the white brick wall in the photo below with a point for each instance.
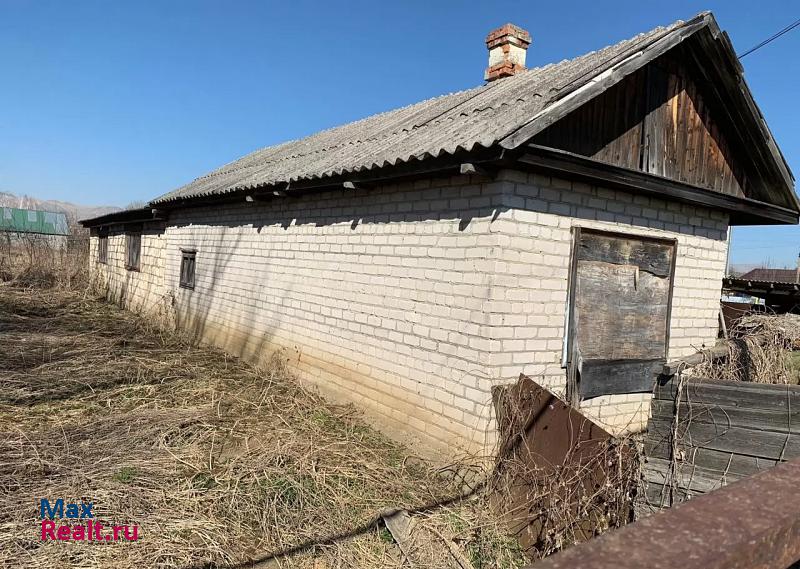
(376, 296)
(529, 305)
(412, 300)
(140, 291)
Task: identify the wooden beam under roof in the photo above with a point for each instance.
(743, 211)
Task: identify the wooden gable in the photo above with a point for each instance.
(658, 121)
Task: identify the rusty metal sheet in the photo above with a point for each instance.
(544, 438)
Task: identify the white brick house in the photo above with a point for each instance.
(411, 261)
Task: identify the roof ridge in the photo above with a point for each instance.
(429, 127)
(478, 90)
(222, 170)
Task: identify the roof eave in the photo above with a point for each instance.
(139, 215)
(442, 165)
(742, 211)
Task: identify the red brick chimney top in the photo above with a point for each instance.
(507, 46)
(508, 33)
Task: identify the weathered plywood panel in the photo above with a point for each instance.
(622, 297)
(652, 256)
(620, 311)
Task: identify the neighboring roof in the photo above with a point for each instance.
(787, 293)
(33, 221)
(481, 117)
(770, 275)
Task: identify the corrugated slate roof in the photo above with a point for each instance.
(467, 120)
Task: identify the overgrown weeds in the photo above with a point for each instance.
(560, 479)
(217, 463)
(760, 350)
(45, 261)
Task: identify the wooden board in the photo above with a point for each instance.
(603, 377)
(734, 394)
(738, 440)
(692, 147)
(781, 421)
(710, 459)
(653, 256)
(607, 128)
(726, 430)
(687, 475)
(620, 311)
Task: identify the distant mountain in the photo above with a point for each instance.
(73, 211)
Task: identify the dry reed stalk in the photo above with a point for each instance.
(759, 351)
(45, 261)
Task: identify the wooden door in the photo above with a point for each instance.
(620, 300)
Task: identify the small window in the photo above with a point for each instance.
(133, 250)
(187, 268)
(102, 249)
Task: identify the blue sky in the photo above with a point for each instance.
(114, 102)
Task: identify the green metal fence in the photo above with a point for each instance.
(33, 221)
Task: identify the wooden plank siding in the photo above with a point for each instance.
(607, 128)
(726, 430)
(657, 121)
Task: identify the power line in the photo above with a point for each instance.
(787, 29)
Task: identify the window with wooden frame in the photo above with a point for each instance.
(188, 257)
(133, 250)
(620, 297)
(102, 248)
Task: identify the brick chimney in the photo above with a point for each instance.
(507, 46)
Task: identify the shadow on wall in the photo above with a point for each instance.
(466, 199)
(358, 208)
(465, 206)
(391, 204)
(462, 203)
(142, 290)
(194, 309)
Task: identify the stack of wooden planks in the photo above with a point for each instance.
(713, 433)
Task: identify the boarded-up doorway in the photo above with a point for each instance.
(620, 298)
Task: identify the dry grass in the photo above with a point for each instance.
(573, 502)
(218, 463)
(760, 350)
(43, 261)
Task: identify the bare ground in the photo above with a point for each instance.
(217, 463)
